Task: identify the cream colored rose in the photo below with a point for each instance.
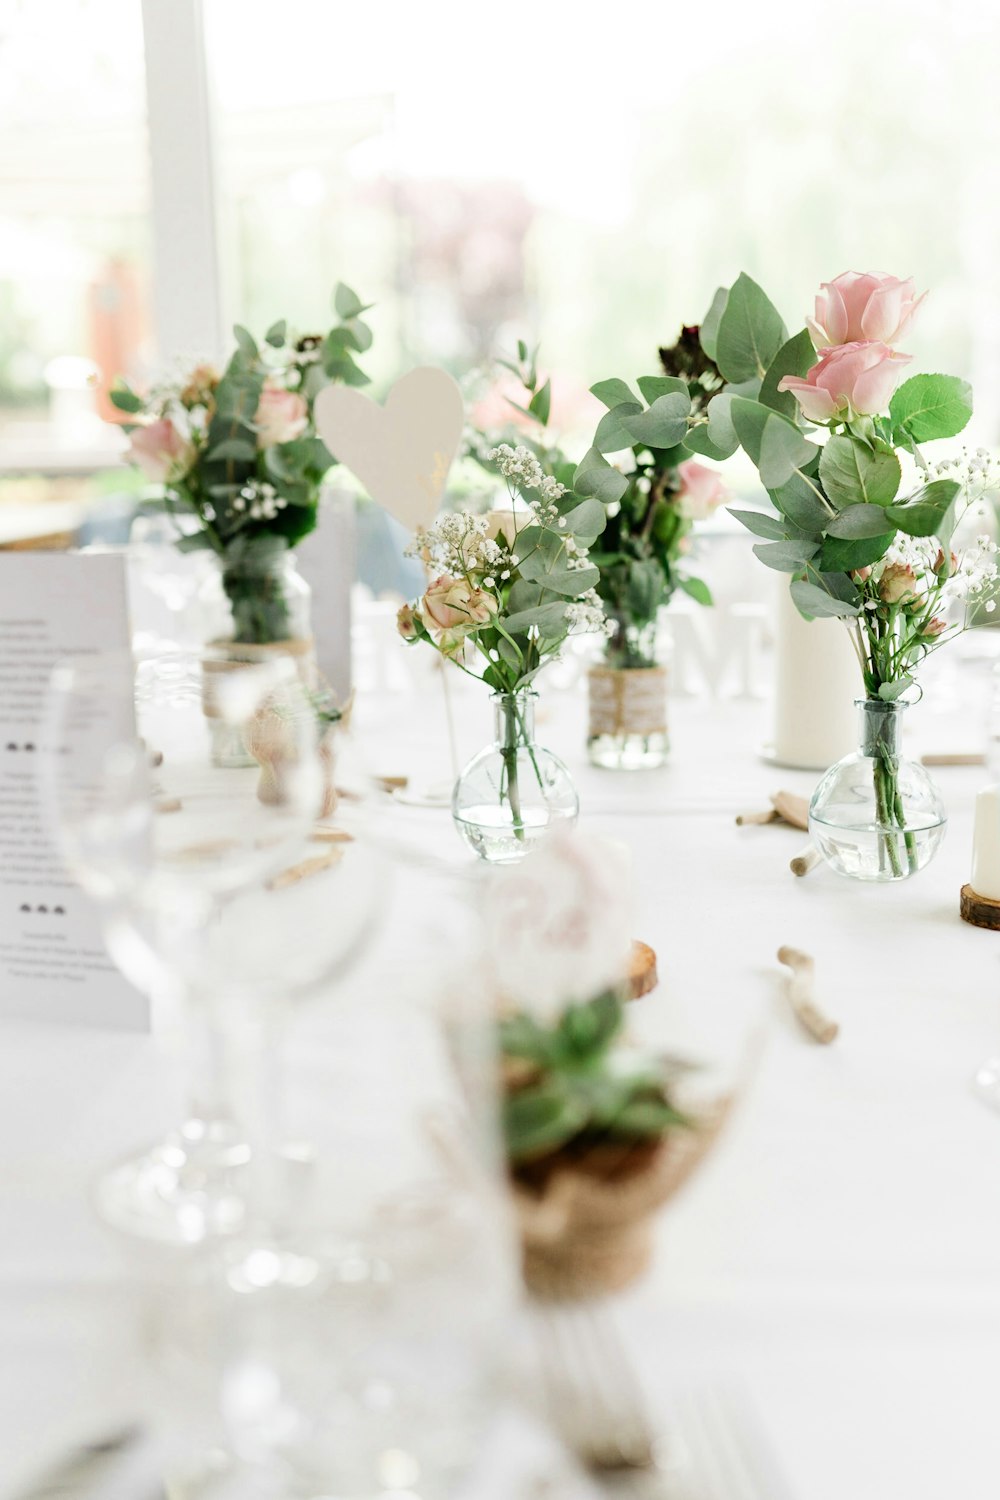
(450, 604)
(506, 522)
(897, 584)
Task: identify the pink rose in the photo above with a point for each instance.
(934, 626)
(855, 379)
(857, 308)
(160, 450)
(281, 416)
(897, 584)
(450, 603)
(701, 492)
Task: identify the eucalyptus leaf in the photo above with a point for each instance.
(586, 521)
(541, 402)
(890, 691)
(786, 556)
(750, 332)
(275, 335)
(595, 476)
(774, 444)
(232, 448)
(612, 436)
(613, 393)
(654, 386)
(802, 505)
(664, 424)
(125, 399)
(815, 603)
(709, 329)
(347, 303)
(549, 619)
(774, 528)
(697, 590)
(795, 357)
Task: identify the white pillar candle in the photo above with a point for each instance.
(817, 680)
(986, 844)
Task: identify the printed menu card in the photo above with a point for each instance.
(53, 963)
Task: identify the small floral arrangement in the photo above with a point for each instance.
(863, 522)
(665, 491)
(558, 936)
(238, 455)
(510, 586)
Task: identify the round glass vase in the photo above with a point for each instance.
(255, 604)
(875, 815)
(511, 792)
(627, 704)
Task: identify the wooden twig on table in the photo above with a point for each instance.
(800, 993)
(770, 816)
(167, 805)
(304, 869)
(806, 861)
(331, 836)
(786, 807)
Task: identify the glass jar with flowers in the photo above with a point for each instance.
(239, 465)
(664, 490)
(864, 524)
(506, 590)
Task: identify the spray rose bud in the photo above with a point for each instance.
(896, 586)
(861, 575)
(934, 626)
(943, 569)
(406, 623)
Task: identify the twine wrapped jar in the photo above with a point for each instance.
(627, 694)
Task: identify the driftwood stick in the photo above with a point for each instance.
(806, 861)
(304, 869)
(770, 816)
(800, 993)
(322, 835)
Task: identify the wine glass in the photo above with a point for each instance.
(165, 839)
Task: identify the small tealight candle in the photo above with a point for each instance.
(986, 844)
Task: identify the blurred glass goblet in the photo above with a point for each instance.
(164, 839)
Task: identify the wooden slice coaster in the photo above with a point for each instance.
(979, 910)
(642, 975)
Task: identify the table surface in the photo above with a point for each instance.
(836, 1257)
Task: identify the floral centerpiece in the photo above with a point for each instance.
(505, 591)
(595, 1138)
(240, 464)
(863, 522)
(641, 555)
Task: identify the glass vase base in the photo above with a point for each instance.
(189, 1188)
(629, 752)
(492, 836)
(874, 854)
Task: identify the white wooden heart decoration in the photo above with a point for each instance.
(401, 452)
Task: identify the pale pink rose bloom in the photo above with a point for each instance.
(702, 490)
(934, 626)
(281, 416)
(854, 378)
(449, 604)
(160, 450)
(857, 307)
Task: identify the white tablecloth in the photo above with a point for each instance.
(837, 1257)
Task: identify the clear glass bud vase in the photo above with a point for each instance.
(511, 792)
(875, 815)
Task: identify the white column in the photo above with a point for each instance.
(185, 250)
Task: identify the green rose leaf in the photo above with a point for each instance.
(645, 590)
(844, 555)
(612, 436)
(538, 1119)
(774, 528)
(857, 521)
(925, 513)
(796, 357)
(697, 590)
(595, 476)
(774, 444)
(854, 474)
(708, 332)
(750, 332)
(814, 603)
(931, 406)
(613, 393)
(125, 399)
(664, 424)
(787, 556)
